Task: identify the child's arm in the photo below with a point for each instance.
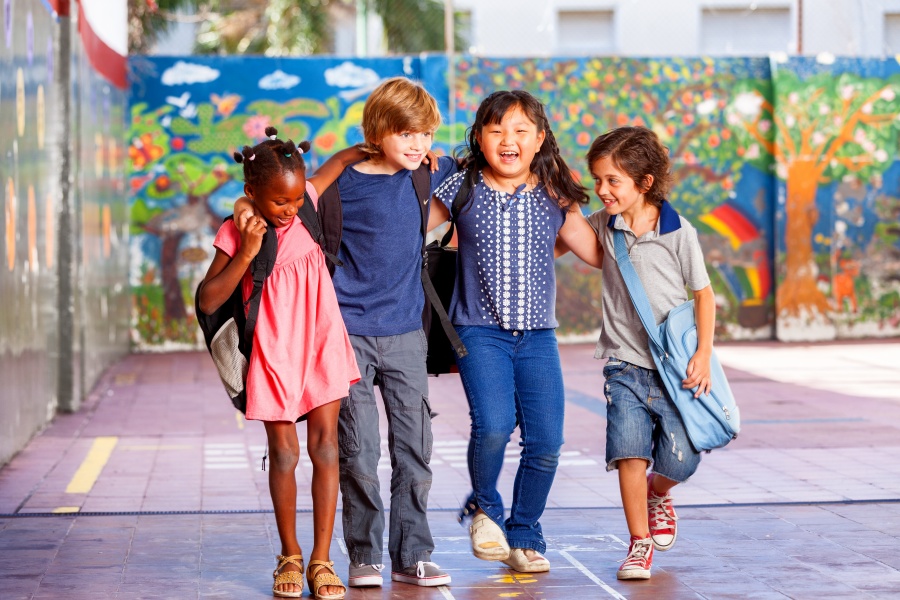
(225, 272)
(560, 248)
(698, 372)
(577, 235)
(439, 213)
(332, 168)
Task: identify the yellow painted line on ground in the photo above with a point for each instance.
(86, 475)
(240, 419)
(67, 509)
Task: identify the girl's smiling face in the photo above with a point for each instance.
(280, 198)
(618, 191)
(510, 146)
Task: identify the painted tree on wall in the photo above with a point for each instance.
(827, 128)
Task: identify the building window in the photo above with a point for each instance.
(892, 33)
(745, 32)
(583, 32)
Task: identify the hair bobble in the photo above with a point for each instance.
(251, 157)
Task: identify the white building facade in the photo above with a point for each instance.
(867, 28)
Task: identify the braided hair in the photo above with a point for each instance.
(547, 164)
(270, 158)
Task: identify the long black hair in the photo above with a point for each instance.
(547, 164)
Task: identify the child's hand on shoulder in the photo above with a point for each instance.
(698, 374)
(252, 228)
(431, 159)
(244, 205)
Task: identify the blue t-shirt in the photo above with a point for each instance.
(379, 288)
(505, 273)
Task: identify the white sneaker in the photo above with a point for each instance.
(488, 540)
(362, 575)
(425, 574)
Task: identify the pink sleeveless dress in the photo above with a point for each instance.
(302, 357)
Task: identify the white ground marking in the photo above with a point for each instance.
(591, 576)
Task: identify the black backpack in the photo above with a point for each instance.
(443, 342)
(441, 266)
(228, 332)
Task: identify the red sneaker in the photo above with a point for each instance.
(637, 563)
(663, 521)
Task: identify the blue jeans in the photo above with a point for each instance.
(642, 422)
(513, 378)
(396, 364)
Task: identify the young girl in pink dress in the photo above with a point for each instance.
(302, 362)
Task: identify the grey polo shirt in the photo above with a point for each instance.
(666, 259)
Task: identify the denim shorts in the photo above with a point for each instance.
(642, 422)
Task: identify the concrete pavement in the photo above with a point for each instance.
(154, 490)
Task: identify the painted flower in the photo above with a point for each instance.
(255, 127)
(748, 103)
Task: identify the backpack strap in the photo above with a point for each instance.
(423, 192)
(312, 220)
(331, 219)
(463, 197)
(421, 178)
(260, 267)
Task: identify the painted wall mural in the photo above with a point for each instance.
(721, 120)
(835, 149)
(187, 117)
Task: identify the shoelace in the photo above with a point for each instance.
(638, 553)
(378, 567)
(659, 509)
(420, 568)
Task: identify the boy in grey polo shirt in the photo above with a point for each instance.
(630, 168)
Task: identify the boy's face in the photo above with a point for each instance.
(280, 198)
(405, 150)
(618, 191)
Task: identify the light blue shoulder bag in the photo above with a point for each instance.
(713, 419)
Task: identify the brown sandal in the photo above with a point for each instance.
(317, 579)
(283, 577)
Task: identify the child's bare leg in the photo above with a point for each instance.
(633, 487)
(322, 445)
(284, 452)
(661, 485)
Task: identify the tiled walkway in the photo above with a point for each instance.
(154, 490)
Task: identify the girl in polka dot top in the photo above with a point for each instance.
(522, 197)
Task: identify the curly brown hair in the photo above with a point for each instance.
(638, 152)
